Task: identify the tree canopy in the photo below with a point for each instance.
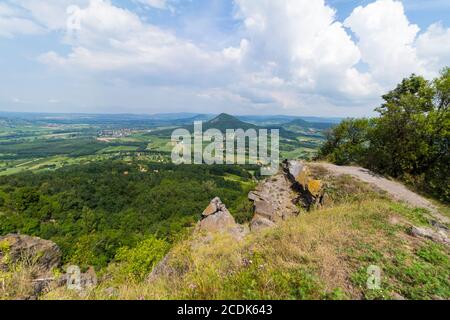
(409, 140)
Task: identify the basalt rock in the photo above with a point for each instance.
(41, 256)
(264, 209)
(44, 255)
(217, 218)
(311, 191)
(214, 206)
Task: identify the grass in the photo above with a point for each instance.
(344, 189)
(159, 144)
(113, 149)
(320, 255)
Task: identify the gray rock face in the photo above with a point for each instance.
(41, 255)
(437, 236)
(217, 221)
(274, 200)
(264, 209)
(44, 254)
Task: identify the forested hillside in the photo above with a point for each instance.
(91, 211)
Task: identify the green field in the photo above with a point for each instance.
(42, 145)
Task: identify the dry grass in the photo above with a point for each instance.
(17, 282)
(319, 255)
(323, 254)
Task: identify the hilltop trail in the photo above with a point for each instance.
(395, 189)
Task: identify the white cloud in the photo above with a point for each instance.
(108, 38)
(301, 42)
(433, 47)
(386, 40)
(51, 14)
(13, 22)
(159, 4)
(288, 54)
(7, 10)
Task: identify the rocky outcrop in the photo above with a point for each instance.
(217, 218)
(312, 191)
(277, 198)
(44, 255)
(274, 200)
(38, 257)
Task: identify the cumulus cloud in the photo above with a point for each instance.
(288, 54)
(13, 22)
(108, 38)
(301, 42)
(433, 47)
(386, 40)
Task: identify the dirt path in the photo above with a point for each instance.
(396, 190)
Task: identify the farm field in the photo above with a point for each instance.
(36, 144)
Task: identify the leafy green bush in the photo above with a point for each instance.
(138, 262)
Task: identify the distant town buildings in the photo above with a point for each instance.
(120, 133)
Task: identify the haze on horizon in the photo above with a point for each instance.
(293, 57)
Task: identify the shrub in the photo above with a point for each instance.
(138, 262)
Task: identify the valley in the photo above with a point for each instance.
(37, 143)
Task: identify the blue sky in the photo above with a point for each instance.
(299, 57)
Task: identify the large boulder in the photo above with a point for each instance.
(44, 255)
(217, 218)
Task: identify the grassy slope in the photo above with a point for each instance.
(319, 255)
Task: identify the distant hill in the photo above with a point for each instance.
(267, 120)
(310, 125)
(159, 119)
(225, 121)
(282, 119)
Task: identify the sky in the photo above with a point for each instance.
(294, 57)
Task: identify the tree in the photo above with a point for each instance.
(348, 142)
(409, 140)
(398, 142)
(25, 198)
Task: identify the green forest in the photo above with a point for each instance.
(93, 211)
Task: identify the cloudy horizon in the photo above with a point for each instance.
(293, 57)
